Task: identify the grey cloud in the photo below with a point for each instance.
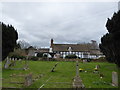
(66, 22)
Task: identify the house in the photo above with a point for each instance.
(84, 50)
(45, 51)
(31, 51)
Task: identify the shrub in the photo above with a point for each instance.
(53, 59)
(34, 58)
(71, 56)
(45, 56)
(15, 55)
(101, 58)
(40, 55)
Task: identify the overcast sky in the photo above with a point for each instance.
(65, 22)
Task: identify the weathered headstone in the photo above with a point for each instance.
(25, 67)
(84, 61)
(114, 79)
(97, 66)
(19, 59)
(28, 80)
(14, 63)
(7, 63)
(15, 59)
(10, 59)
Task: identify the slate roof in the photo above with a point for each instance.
(43, 50)
(74, 47)
(86, 47)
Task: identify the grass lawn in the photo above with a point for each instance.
(63, 75)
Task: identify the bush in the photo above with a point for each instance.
(15, 55)
(40, 55)
(45, 56)
(53, 59)
(102, 59)
(71, 56)
(34, 58)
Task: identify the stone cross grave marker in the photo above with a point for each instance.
(77, 68)
(114, 79)
(77, 83)
(28, 80)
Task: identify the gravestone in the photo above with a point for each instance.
(84, 61)
(114, 79)
(28, 80)
(25, 67)
(77, 83)
(13, 63)
(10, 59)
(19, 60)
(77, 68)
(8, 62)
(97, 66)
(13, 59)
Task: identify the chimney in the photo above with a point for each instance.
(94, 44)
(51, 43)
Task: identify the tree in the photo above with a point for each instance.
(110, 43)
(23, 44)
(9, 37)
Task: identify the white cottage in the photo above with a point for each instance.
(86, 50)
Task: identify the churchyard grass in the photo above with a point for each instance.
(63, 75)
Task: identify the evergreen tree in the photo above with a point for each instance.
(9, 37)
(110, 43)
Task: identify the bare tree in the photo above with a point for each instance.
(23, 44)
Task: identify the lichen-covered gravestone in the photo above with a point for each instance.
(84, 61)
(114, 79)
(28, 80)
(97, 66)
(8, 62)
